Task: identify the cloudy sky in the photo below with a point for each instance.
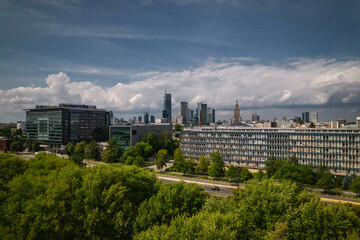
(277, 57)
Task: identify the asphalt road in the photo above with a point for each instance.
(226, 189)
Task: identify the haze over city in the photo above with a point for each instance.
(278, 58)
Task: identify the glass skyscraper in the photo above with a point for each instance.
(167, 107)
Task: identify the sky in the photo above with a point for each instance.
(277, 57)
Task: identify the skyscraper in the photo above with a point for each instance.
(203, 114)
(213, 116)
(146, 118)
(237, 117)
(167, 107)
(305, 117)
(255, 117)
(314, 117)
(185, 112)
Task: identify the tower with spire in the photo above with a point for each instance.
(236, 118)
(167, 106)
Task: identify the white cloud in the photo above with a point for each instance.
(307, 82)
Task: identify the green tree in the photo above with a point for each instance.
(355, 185)
(10, 166)
(273, 164)
(216, 169)
(69, 148)
(172, 200)
(204, 164)
(232, 173)
(92, 151)
(178, 127)
(16, 146)
(245, 175)
(260, 175)
(18, 132)
(153, 140)
(161, 159)
(36, 146)
(326, 181)
(312, 125)
(139, 161)
(111, 153)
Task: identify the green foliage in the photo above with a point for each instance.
(260, 175)
(111, 153)
(80, 149)
(355, 185)
(312, 125)
(162, 141)
(245, 175)
(183, 164)
(173, 199)
(326, 181)
(232, 173)
(18, 132)
(17, 146)
(6, 132)
(216, 169)
(178, 127)
(142, 149)
(161, 159)
(56, 199)
(69, 148)
(92, 151)
(204, 164)
(10, 166)
(36, 146)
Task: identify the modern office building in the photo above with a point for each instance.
(185, 112)
(146, 117)
(305, 117)
(167, 107)
(58, 125)
(213, 116)
(358, 122)
(314, 117)
(152, 119)
(202, 110)
(338, 149)
(255, 117)
(128, 135)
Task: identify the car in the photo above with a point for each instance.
(216, 188)
(234, 184)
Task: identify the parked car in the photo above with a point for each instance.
(216, 188)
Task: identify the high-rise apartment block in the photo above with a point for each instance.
(58, 125)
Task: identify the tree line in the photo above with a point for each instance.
(52, 198)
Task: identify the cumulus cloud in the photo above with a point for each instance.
(304, 82)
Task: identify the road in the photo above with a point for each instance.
(226, 189)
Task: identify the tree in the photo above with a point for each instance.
(326, 181)
(312, 125)
(69, 148)
(260, 175)
(172, 200)
(216, 169)
(245, 175)
(92, 151)
(18, 132)
(355, 185)
(36, 146)
(178, 127)
(272, 165)
(111, 153)
(179, 161)
(204, 164)
(232, 173)
(16, 146)
(161, 158)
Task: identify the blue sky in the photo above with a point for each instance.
(277, 57)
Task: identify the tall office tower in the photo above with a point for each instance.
(203, 114)
(192, 114)
(237, 117)
(358, 122)
(152, 119)
(284, 118)
(134, 120)
(213, 116)
(139, 119)
(167, 107)
(146, 118)
(305, 117)
(314, 117)
(185, 112)
(208, 116)
(254, 117)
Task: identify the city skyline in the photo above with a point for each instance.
(276, 57)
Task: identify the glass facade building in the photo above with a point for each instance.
(338, 149)
(54, 125)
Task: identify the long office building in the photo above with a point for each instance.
(58, 125)
(338, 149)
